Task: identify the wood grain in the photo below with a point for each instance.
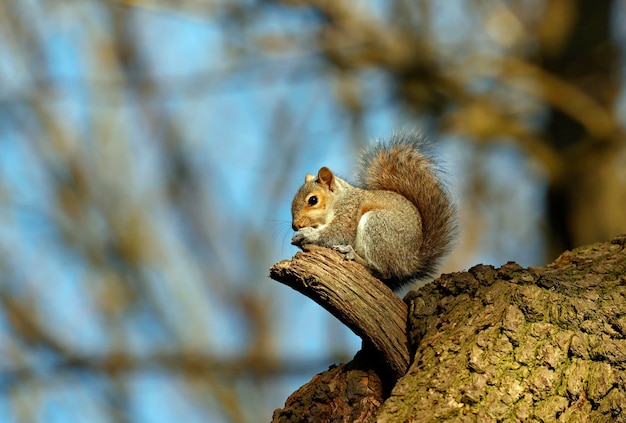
(351, 294)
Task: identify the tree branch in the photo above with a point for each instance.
(351, 294)
(497, 344)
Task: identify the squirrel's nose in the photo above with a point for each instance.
(294, 227)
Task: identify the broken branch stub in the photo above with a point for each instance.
(351, 294)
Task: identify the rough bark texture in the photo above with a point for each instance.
(351, 392)
(510, 344)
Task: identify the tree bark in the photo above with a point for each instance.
(508, 344)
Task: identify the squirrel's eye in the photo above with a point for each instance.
(312, 200)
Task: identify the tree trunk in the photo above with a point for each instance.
(508, 344)
(585, 198)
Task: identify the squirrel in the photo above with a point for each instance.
(398, 221)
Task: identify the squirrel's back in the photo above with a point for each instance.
(402, 165)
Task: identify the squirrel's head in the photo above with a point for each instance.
(311, 205)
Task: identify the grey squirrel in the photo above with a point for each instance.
(399, 222)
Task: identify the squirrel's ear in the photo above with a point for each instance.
(308, 178)
(325, 177)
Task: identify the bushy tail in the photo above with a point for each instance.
(402, 165)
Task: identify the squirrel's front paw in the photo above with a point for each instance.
(306, 235)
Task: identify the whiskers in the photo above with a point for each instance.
(281, 234)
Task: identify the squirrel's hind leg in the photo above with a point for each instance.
(350, 254)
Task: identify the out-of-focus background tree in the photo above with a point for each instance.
(149, 150)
